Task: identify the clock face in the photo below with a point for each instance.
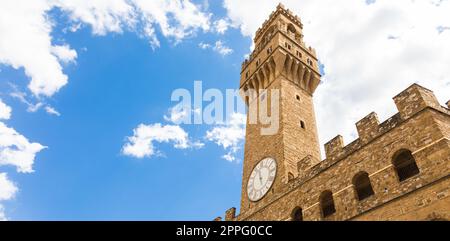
(261, 179)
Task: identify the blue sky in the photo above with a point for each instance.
(118, 82)
(123, 60)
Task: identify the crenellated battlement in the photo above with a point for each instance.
(283, 29)
(414, 99)
(409, 102)
(368, 130)
(281, 62)
(368, 127)
(279, 10)
(334, 147)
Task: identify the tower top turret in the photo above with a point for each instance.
(295, 19)
(280, 50)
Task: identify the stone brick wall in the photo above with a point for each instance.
(258, 147)
(428, 203)
(299, 142)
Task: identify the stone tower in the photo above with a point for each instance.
(281, 61)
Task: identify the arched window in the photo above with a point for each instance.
(405, 165)
(327, 204)
(362, 185)
(297, 214)
(291, 28)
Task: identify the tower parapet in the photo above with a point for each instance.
(414, 99)
(368, 127)
(280, 10)
(280, 49)
(334, 146)
(409, 102)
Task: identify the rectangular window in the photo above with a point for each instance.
(288, 46)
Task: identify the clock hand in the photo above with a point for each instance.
(259, 178)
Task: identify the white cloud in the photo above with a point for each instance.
(26, 27)
(141, 144)
(229, 135)
(178, 114)
(243, 15)
(23, 97)
(64, 53)
(7, 192)
(7, 188)
(26, 42)
(221, 25)
(5, 111)
(31, 107)
(177, 19)
(218, 47)
(35, 107)
(50, 110)
(149, 31)
(222, 49)
(203, 45)
(102, 15)
(365, 67)
(16, 150)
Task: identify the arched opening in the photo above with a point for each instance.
(291, 28)
(405, 165)
(302, 125)
(327, 204)
(363, 187)
(297, 214)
